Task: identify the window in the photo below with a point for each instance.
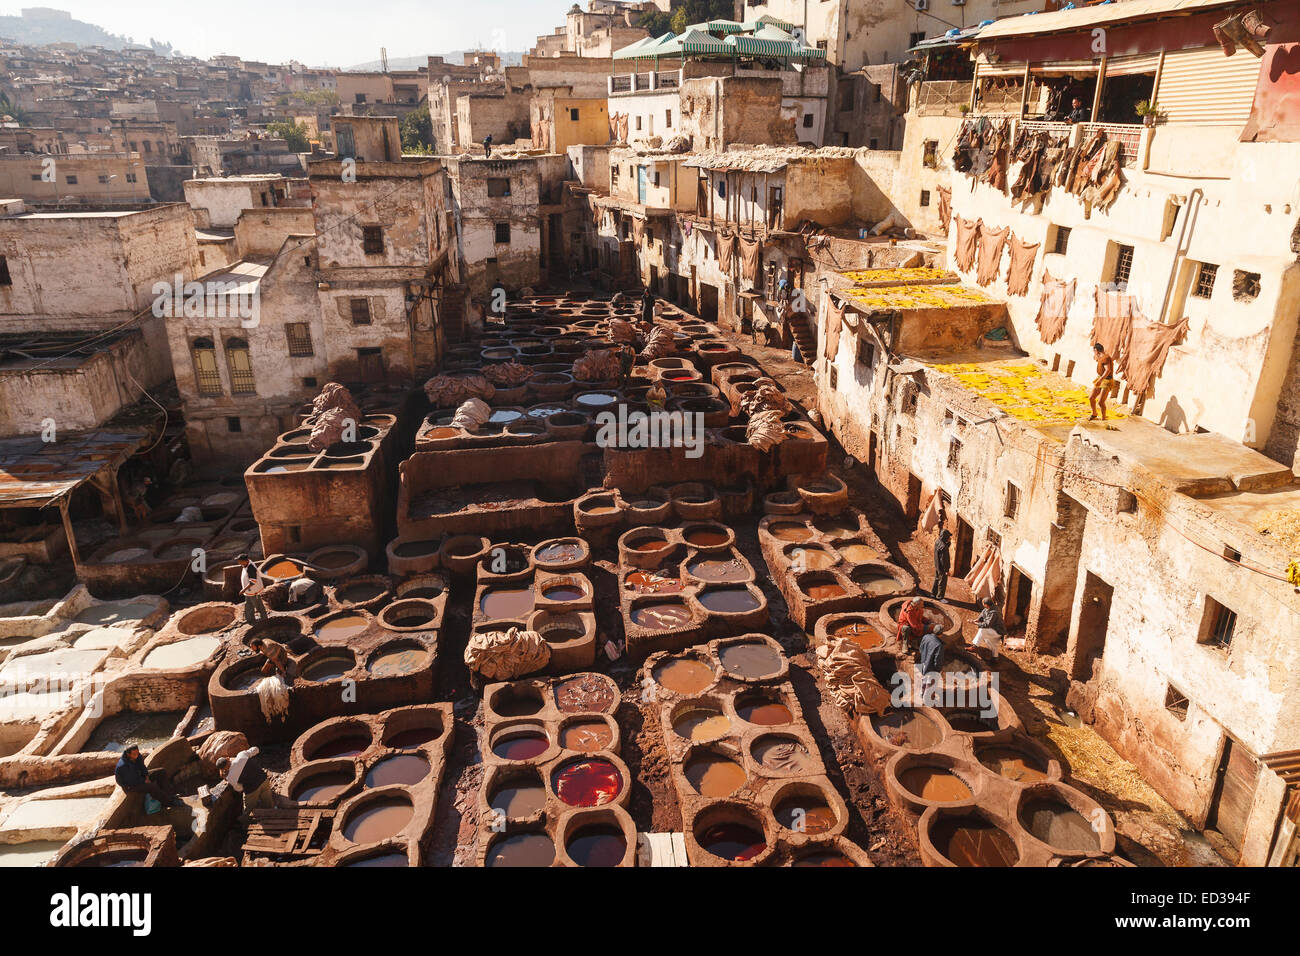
(241, 368)
(206, 376)
(103, 180)
(5, 277)
(234, 425)
(372, 240)
(915, 37)
(954, 452)
(807, 120)
(907, 401)
(1060, 239)
(573, 115)
(148, 146)
(867, 354)
(638, 122)
(1011, 501)
(613, 174)
(130, 177)
(1218, 625)
(503, 233)
(309, 381)
(873, 143)
(360, 308)
(925, 198)
(846, 101)
(1123, 267)
(72, 180)
(1176, 702)
(668, 117)
(299, 336)
(1245, 285)
(1204, 286)
(359, 98)
(656, 180)
(498, 188)
(36, 177)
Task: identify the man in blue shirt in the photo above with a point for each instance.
(930, 654)
(134, 777)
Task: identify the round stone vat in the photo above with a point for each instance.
(337, 739)
(687, 674)
(520, 741)
(965, 836)
(921, 781)
(600, 838)
(1064, 820)
(731, 833)
(751, 660)
(322, 782)
(806, 808)
(411, 614)
(515, 700)
(377, 815)
(526, 848)
(397, 659)
(416, 726)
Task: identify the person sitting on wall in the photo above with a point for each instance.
(487, 146)
(989, 629)
(911, 621)
(244, 775)
(1104, 384)
(275, 656)
(251, 587)
(133, 776)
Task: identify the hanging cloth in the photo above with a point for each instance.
(726, 251)
(834, 324)
(967, 235)
(1112, 323)
(750, 259)
(1148, 348)
(1021, 267)
(945, 207)
(1054, 307)
(991, 242)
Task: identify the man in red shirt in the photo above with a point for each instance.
(911, 621)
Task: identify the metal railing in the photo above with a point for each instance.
(942, 97)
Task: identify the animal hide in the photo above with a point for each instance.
(967, 236)
(1021, 267)
(991, 243)
(1054, 307)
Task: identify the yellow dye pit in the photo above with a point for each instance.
(877, 277)
(918, 297)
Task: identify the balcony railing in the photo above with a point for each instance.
(942, 97)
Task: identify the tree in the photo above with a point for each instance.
(417, 132)
(295, 134)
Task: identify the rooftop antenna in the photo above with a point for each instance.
(383, 58)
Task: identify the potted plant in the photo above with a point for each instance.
(963, 108)
(1148, 110)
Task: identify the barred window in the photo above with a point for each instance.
(1204, 286)
(206, 376)
(360, 311)
(372, 240)
(299, 336)
(241, 368)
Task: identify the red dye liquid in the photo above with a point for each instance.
(733, 841)
(521, 746)
(348, 746)
(411, 738)
(587, 783)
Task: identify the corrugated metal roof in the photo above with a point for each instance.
(35, 473)
(1060, 21)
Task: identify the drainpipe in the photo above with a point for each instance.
(1180, 251)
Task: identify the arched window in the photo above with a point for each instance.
(241, 367)
(206, 376)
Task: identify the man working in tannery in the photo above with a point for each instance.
(1104, 384)
(930, 655)
(246, 777)
(276, 656)
(911, 621)
(251, 588)
(989, 629)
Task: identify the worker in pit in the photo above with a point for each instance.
(911, 621)
(1105, 383)
(251, 587)
(244, 775)
(275, 656)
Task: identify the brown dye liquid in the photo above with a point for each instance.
(322, 787)
(360, 593)
(1058, 824)
(382, 859)
(586, 693)
(824, 858)
(346, 746)
(907, 728)
(713, 775)
(702, 724)
(858, 553)
(732, 841)
(789, 531)
(784, 754)
(823, 592)
(378, 820)
(522, 849)
(283, 569)
(863, 635)
(415, 549)
(519, 800)
(969, 721)
(972, 841)
(814, 559)
(412, 737)
(506, 603)
(564, 592)
(876, 585)
(327, 668)
(392, 663)
(934, 783)
(1012, 764)
(597, 846)
(445, 431)
(707, 537)
(750, 660)
(765, 713)
(717, 569)
(684, 675)
(649, 582)
(586, 736)
(663, 616)
(805, 814)
(729, 600)
(648, 544)
(522, 746)
(562, 635)
(336, 559)
(587, 783)
(835, 525)
(342, 628)
(399, 768)
(560, 552)
(424, 593)
(417, 619)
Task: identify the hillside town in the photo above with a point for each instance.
(787, 433)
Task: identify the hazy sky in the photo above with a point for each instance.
(320, 32)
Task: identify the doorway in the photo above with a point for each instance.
(1020, 590)
(965, 545)
(709, 302)
(370, 364)
(912, 506)
(1094, 619)
(1234, 792)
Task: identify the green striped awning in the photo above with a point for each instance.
(645, 48)
(779, 49)
(724, 26)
